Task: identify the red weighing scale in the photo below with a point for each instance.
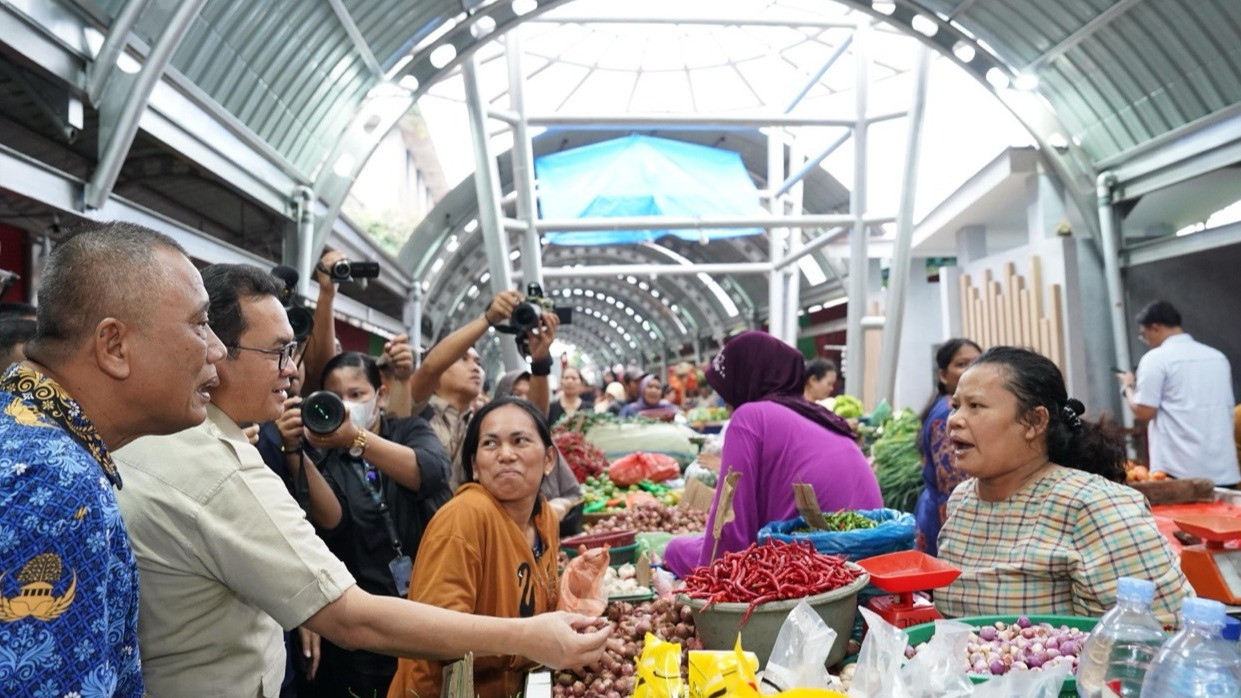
(1211, 568)
(905, 573)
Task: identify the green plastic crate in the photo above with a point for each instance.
(921, 633)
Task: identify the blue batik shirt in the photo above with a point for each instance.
(68, 581)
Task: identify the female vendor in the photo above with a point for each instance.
(1041, 525)
(491, 550)
(776, 437)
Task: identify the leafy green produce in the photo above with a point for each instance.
(898, 464)
(847, 406)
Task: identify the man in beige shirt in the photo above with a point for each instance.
(226, 557)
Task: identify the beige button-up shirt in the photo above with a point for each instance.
(449, 424)
(226, 558)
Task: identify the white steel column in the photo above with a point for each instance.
(1110, 235)
(792, 273)
(487, 182)
(898, 278)
(775, 235)
(854, 347)
(523, 162)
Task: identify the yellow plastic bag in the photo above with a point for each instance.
(743, 683)
(659, 670)
(709, 671)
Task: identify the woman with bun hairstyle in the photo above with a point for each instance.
(1042, 525)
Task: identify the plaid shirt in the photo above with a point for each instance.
(449, 425)
(1055, 547)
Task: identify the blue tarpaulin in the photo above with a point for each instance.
(644, 176)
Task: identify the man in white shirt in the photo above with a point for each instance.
(1184, 389)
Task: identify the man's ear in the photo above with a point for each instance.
(111, 343)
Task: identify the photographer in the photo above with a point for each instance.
(388, 477)
(451, 377)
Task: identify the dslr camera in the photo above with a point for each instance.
(526, 315)
(345, 270)
(323, 412)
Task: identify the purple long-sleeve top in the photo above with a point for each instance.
(773, 447)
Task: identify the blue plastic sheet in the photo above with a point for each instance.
(894, 532)
(644, 176)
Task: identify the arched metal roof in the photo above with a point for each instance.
(260, 98)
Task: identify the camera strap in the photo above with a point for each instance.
(401, 566)
(369, 476)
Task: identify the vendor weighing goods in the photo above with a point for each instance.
(905, 574)
(1211, 568)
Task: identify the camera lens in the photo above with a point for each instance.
(525, 316)
(340, 270)
(323, 412)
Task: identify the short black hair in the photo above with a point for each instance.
(354, 359)
(102, 269)
(227, 285)
(1159, 313)
(819, 367)
(469, 446)
(13, 331)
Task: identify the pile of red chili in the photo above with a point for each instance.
(772, 572)
(583, 457)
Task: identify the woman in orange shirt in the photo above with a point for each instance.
(491, 550)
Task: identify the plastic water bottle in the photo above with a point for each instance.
(1196, 661)
(1123, 644)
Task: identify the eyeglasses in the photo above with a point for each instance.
(284, 353)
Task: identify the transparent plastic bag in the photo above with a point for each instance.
(1041, 683)
(878, 673)
(937, 671)
(797, 659)
(582, 588)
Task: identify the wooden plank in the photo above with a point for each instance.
(1036, 285)
(1056, 318)
(1027, 335)
(979, 330)
(967, 307)
(1044, 337)
(1001, 323)
(993, 301)
(985, 310)
(1013, 295)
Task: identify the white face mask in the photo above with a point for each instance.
(363, 413)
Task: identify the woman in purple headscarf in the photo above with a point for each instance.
(776, 438)
(649, 402)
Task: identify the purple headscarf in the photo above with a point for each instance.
(756, 366)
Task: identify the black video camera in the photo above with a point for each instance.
(345, 270)
(323, 412)
(301, 319)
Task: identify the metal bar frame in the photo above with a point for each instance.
(720, 121)
(709, 21)
(128, 107)
(487, 184)
(898, 277)
(355, 35)
(101, 68)
(812, 163)
(688, 223)
(523, 162)
(1109, 229)
(818, 75)
(775, 237)
(655, 270)
(858, 261)
(1081, 34)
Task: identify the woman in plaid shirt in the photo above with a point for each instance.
(1042, 526)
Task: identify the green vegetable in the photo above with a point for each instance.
(847, 406)
(898, 464)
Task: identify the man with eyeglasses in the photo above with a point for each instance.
(227, 557)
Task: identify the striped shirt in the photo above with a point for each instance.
(1057, 546)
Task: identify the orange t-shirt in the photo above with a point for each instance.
(473, 558)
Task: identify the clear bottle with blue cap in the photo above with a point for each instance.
(1197, 661)
(1122, 645)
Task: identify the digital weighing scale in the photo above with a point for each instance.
(903, 574)
(1212, 569)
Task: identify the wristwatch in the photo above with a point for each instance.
(359, 444)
